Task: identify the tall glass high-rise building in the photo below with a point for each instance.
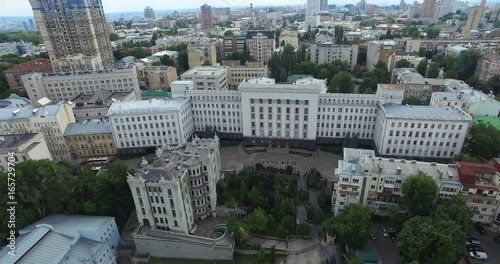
(74, 30)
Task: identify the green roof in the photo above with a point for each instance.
(493, 120)
(156, 94)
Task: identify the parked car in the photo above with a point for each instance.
(384, 231)
(392, 236)
(475, 248)
(478, 255)
(372, 236)
(472, 241)
(497, 239)
(480, 228)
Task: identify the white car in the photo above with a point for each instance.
(478, 255)
(384, 232)
(472, 241)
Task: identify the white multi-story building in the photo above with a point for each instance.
(261, 45)
(462, 99)
(328, 52)
(179, 188)
(376, 182)
(207, 77)
(18, 148)
(65, 86)
(420, 131)
(50, 120)
(139, 126)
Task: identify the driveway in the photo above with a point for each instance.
(386, 249)
(489, 245)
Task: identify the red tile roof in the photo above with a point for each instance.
(467, 173)
(495, 162)
(37, 65)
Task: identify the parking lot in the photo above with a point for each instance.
(386, 249)
(489, 245)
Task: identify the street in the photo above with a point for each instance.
(489, 245)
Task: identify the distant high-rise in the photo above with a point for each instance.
(32, 24)
(312, 13)
(149, 13)
(206, 16)
(70, 29)
(361, 5)
(428, 8)
(475, 16)
(323, 5)
(402, 5)
(26, 26)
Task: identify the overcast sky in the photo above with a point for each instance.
(23, 8)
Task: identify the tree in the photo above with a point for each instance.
(353, 260)
(419, 194)
(288, 221)
(257, 220)
(231, 203)
(238, 231)
(166, 60)
(467, 62)
(394, 217)
(467, 158)
(272, 254)
(422, 67)
(403, 63)
(483, 141)
(228, 33)
(341, 83)
(455, 210)
(113, 37)
(243, 191)
(182, 61)
(354, 225)
(262, 254)
(412, 100)
(433, 71)
(326, 227)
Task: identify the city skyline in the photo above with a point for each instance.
(22, 8)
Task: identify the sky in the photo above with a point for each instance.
(23, 8)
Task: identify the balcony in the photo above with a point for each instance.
(347, 192)
(480, 196)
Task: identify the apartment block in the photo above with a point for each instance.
(156, 77)
(233, 44)
(481, 190)
(202, 54)
(462, 99)
(380, 51)
(90, 138)
(238, 73)
(261, 45)
(207, 77)
(376, 182)
(328, 52)
(23, 147)
(65, 86)
(49, 120)
(420, 131)
(289, 37)
(488, 66)
(13, 75)
(140, 126)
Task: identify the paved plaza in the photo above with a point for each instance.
(324, 162)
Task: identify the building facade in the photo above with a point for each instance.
(428, 8)
(149, 13)
(140, 126)
(207, 77)
(420, 131)
(488, 66)
(50, 120)
(24, 147)
(379, 51)
(202, 54)
(238, 73)
(70, 28)
(328, 52)
(62, 87)
(289, 37)
(261, 45)
(234, 44)
(95, 106)
(13, 75)
(206, 16)
(157, 77)
(90, 138)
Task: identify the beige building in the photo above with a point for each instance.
(25, 147)
(207, 77)
(204, 54)
(488, 66)
(474, 18)
(289, 37)
(329, 52)
(58, 87)
(50, 120)
(156, 77)
(92, 138)
(261, 45)
(379, 51)
(71, 28)
(13, 75)
(238, 73)
(413, 58)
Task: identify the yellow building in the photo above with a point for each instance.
(204, 54)
(289, 37)
(91, 138)
(157, 77)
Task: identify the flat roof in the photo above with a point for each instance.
(157, 93)
(389, 86)
(88, 127)
(493, 120)
(28, 111)
(205, 70)
(14, 141)
(151, 105)
(463, 95)
(424, 112)
(70, 224)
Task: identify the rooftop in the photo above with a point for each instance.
(100, 95)
(14, 141)
(464, 95)
(171, 163)
(70, 224)
(424, 112)
(88, 127)
(388, 86)
(126, 59)
(493, 120)
(170, 53)
(261, 80)
(37, 65)
(14, 101)
(156, 93)
(28, 111)
(151, 105)
(477, 175)
(491, 57)
(205, 71)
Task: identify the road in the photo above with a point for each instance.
(489, 245)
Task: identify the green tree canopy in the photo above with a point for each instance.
(412, 100)
(403, 63)
(257, 220)
(422, 67)
(113, 37)
(433, 71)
(483, 141)
(467, 158)
(419, 194)
(455, 210)
(341, 83)
(353, 225)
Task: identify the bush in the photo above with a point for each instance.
(304, 229)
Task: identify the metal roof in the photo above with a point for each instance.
(424, 112)
(151, 106)
(88, 127)
(27, 112)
